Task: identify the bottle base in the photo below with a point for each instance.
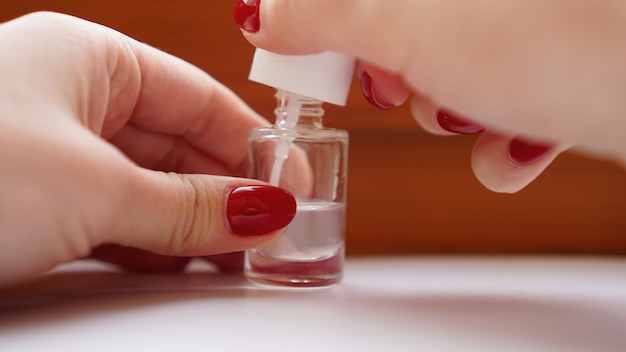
(271, 271)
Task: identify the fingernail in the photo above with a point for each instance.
(247, 15)
(257, 210)
(367, 87)
(454, 124)
(524, 152)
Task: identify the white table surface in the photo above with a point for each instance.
(384, 304)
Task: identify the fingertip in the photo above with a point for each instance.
(526, 152)
(424, 111)
(382, 89)
(199, 215)
(259, 23)
(373, 93)
(498, 171)
(439, 121)
(259, 209)
(450, 122)
(291, 27)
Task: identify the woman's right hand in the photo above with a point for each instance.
(534, 78)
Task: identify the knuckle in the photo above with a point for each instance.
(193, 226)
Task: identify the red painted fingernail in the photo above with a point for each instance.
(454, 124)
(247, 15)
(524, 152)
(367, 87)
(257, 210)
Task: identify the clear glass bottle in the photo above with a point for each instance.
(302, 156)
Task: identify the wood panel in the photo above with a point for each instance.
(409, 192)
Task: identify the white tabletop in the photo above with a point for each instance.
(384, 304)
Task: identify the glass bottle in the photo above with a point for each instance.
(309, 160)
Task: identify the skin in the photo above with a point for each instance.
(105, 140)
(549, 72)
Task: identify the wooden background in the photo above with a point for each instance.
(409, 192)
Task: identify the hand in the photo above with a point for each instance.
(533, 78)
(86, 115)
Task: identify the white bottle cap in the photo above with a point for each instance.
(325, 76)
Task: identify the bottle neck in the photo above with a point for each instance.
(296, 110)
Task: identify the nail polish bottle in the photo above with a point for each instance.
(298, 153)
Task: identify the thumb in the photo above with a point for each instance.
(193, 215)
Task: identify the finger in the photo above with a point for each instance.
(138, 260)
(440, 121)
(168, 153)
(177, 99)
(381, 88)
(141, 261)
(116, 80)
(384, 90)
(503, 164)
(515, 66)
(507, 164)
(228, 262)
(295, 174)
(197, 215)
(271, 22)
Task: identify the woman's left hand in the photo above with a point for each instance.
(108, 143)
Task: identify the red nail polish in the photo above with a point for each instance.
(367, 87)
(247, 15)
(454, 124)
(524, 152)
(257, 210)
